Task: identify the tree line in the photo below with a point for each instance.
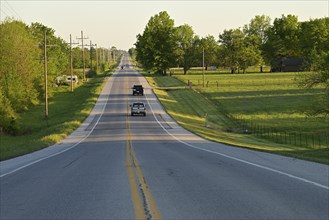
(162, 45)
(21, 62)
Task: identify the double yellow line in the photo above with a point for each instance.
(144, 204)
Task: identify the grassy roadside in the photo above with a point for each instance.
(66, 112)
(198, 112)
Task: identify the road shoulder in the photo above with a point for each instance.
(71, 141)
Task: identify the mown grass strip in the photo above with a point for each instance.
(199, 113)
(66, 112)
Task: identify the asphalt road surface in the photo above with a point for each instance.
(121, 167)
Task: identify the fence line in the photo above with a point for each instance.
(302, 139)
(315, 140)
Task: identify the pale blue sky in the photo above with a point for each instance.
(116, 23)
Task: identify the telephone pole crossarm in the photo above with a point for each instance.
(83, 53)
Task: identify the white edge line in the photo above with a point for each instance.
(234, 158)
(60, 152)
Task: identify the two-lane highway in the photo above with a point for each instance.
(150, 168)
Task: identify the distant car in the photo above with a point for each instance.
(138, 108)
(138, 90)
(66, 80)
(74, 79)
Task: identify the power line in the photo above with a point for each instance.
(2, 11)
(9, 10)
(12, 9)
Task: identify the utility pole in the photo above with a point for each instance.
(45, 74)
(108, 58)
(83, 54)
(45, 66)
(96, 58)
(103, 58)
(91, 55)
(203, 65)
(71, 62)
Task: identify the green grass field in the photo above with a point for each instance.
(66, 112)
(261, 111)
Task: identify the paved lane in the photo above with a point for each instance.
(149, 167)
(86, 182)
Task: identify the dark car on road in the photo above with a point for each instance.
(138, 90)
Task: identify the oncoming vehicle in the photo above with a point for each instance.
(138, 108)
(138, 90)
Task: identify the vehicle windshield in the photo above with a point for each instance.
(138, 105)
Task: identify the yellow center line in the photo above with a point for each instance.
(144, 204)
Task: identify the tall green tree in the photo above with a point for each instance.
(249, 56)
(210, 47)
(232, 41)
(20, 72)
(155, 47)
(258, 27)
(256, 32)
(239, 51)
(283, 39)
(132, 52)
(314, 38)
(187, 44)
